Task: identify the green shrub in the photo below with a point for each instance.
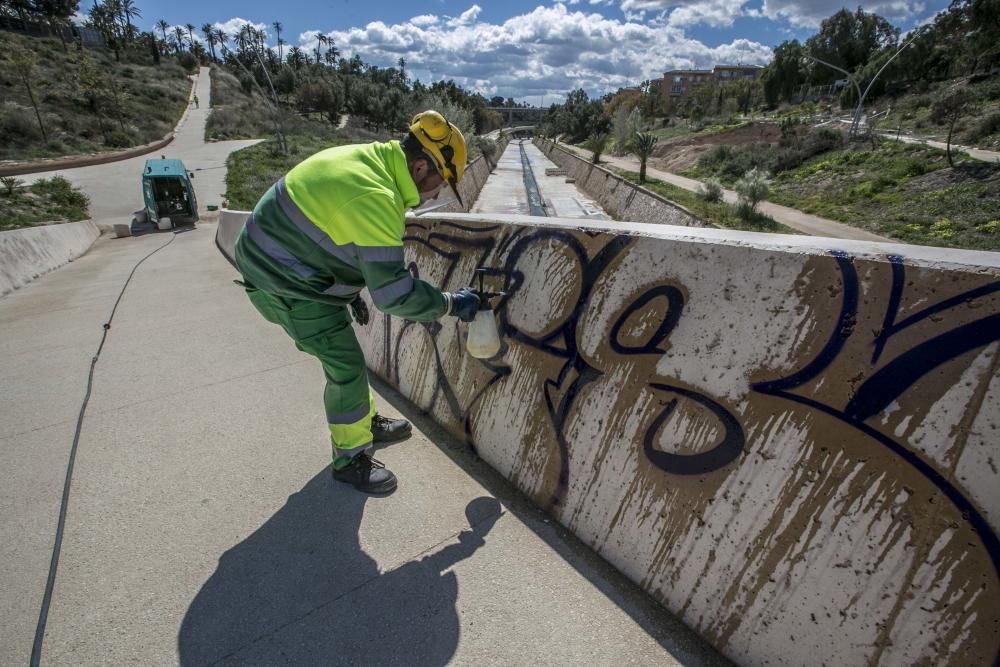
(716, 157)
(711, 190)
(753, 188)
(60, 191)
(118, 139)
(986, 127)
(11, 184)
(18, 126)
(188, 61)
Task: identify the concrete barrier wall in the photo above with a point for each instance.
(28, 253)
(792, 443)
(622, 199)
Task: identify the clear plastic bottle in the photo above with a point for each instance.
(484, 341)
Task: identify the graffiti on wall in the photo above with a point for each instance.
(547, 322)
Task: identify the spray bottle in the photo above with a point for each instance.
(484, 341)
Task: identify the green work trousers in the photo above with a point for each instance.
(324, 331)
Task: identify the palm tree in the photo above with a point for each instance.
(190, 35)
(320, 40)
(402, 69)
(242, 39)
(295, 57)
(130, 11)
(643, 144)
(221, 37)
(163, 25)
(179, 34)
(277, 33)
(209, 33)
(332, 52)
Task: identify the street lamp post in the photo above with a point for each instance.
(861, 96)
(857, 112)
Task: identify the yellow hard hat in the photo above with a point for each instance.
(444, 143)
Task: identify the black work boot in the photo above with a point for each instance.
(366, 474)
(390, 430)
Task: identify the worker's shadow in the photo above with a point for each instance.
(301, 591)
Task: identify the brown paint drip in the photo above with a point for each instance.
(837, 475)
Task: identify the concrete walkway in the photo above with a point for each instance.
(976, 153)
(803, 222)
(203, 526)
(115, 189)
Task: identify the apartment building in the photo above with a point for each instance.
(677, 83)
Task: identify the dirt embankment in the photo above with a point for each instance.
(676, 155)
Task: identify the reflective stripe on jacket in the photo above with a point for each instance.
(334, 225)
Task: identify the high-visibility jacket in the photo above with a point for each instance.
(334, 225)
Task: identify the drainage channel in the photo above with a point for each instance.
(535, 204)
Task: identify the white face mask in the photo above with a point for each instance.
(431, 194)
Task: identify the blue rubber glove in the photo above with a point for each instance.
(360, 311)
(463, 304)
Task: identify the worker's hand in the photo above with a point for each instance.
(464, 304)
(359, 309)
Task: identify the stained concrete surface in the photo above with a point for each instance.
(202, 522)
(504, 191)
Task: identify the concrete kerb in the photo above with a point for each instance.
(26, 254)
(84, 161)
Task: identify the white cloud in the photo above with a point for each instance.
(548, 51)
(424, 20)
(468, 16)
(715, 13)
(810, 13)
(233, 25)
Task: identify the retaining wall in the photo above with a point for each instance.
(28, 253)
(621, 199)
(791, 442)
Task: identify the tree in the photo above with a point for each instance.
(57, 13)
(596, 143)
(277, 33)
(24, 61)
(786, 72)
(643, 145)
(320, 41)
(190, 30)
(209, 33)
(296, 59)
(130, 11)
(752, 189)
(848, 41)
(950, 105)
(163, 25)
(179, 35)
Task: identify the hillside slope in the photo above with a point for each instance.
(88, 102)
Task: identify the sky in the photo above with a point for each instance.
(535, 51)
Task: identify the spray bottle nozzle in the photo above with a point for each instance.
(484, 296)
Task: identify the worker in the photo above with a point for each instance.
(330, 227)
(195, 101)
